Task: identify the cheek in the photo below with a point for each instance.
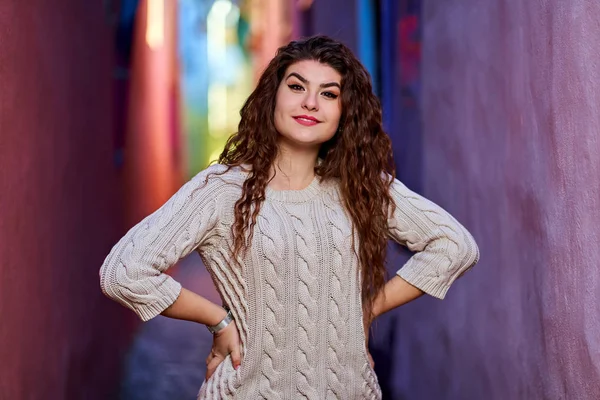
(333, 122)
(335, 113)
(283, 99)
(282, 106)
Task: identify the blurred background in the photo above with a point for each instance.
(107, 107)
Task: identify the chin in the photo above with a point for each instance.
(304, 138)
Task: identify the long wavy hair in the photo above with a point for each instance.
(359, 155)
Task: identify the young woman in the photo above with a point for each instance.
(293, 224)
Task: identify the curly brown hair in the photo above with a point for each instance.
(359, 155)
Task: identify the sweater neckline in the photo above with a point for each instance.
(296, 196)
(313, 190)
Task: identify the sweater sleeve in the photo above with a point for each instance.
(444, 248)
(133, 273)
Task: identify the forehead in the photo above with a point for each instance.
(314, 72)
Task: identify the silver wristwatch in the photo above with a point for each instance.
(221, 325)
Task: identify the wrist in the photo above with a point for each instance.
(216, 315)
(223, 322)
(379, 303)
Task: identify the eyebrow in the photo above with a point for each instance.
(303, 80)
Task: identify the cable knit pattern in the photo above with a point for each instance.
(445, 249)
(296, 295)
(308, 310)
(274, 362)
(339, 302)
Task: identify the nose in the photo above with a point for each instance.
(310, 101)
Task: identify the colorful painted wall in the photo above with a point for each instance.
(60, 195)
(153, 164)
(493, 110)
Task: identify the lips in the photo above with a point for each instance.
(306, 120)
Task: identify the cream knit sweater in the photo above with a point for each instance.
(296, 300)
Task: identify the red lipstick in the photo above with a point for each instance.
(306, 120)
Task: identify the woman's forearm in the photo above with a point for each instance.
(193, 307)
(396, 292)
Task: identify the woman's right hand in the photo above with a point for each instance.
(225, 342)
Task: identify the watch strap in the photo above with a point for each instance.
(221, 325)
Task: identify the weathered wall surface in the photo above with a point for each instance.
(511, 146)
(59, 203)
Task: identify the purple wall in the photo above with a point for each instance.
(59, 203)
(511, 146)
(335, 18)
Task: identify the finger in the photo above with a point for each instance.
(212, 366)
(371, 361)
(211, 355)
(235, 357)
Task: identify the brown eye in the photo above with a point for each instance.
(295, 87)
(330, 95)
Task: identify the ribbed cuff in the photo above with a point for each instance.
(432, 285)
(169, 292)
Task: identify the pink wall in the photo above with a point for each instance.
(153, 166)
(59, 202)
(511, 146)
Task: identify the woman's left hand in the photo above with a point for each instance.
(225, 342)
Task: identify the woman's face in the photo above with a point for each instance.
(308, 104)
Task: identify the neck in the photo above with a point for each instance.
(294, 168)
